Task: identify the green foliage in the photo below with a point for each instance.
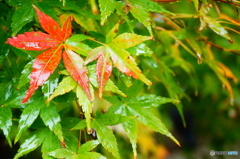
(130, 108)
(20, 18)
(102, 70)
(106, 8)
(33, 141)
(51, 118)
(28, 116)
(6, 122)
(83, 152)
(106, 138)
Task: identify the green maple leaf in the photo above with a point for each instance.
(104, 134)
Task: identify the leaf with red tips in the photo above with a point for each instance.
(67, 28)
(33, 41)
(43, 67)
(104, 70)
(74, 65)
(121, 59)
(46, 63)
(49, 25)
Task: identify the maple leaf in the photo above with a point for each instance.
(46, 63)
(49, 25)
(43, 67)
(104, 70)
(115, 53)
(34, 41)
(103, 67)
(74, 64)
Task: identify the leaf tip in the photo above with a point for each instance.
(6, 42)
(35, 7)
(230, 41)
(148, 83)
(15, 142)
(29, 94)
(24, 100)
(178, 144)
(10, 144)
(175, 140)
(63, 144)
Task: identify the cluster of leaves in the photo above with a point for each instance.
(100, 53)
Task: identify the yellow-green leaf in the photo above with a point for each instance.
(142, 16)
(215, 26)
(127, 40)
(106, 7)
(86, 104)
(65, 86)
(126, 64)
(131, 129)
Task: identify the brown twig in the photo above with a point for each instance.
(219, 47)
(229, 2)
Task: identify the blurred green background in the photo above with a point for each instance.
(211, 114)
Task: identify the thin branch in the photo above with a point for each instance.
(232, 30)
(80, 131)
(219, 47)
(229, 2)
(79, 138)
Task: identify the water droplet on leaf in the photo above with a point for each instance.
(199, 57)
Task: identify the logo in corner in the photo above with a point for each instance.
(212, 152)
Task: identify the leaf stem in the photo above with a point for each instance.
(94, 7)
(219, 47)
(236, 4)
(97, 41)
(85, 135)
(18, 59)
(80, 131)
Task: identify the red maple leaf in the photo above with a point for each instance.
(46, 63)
